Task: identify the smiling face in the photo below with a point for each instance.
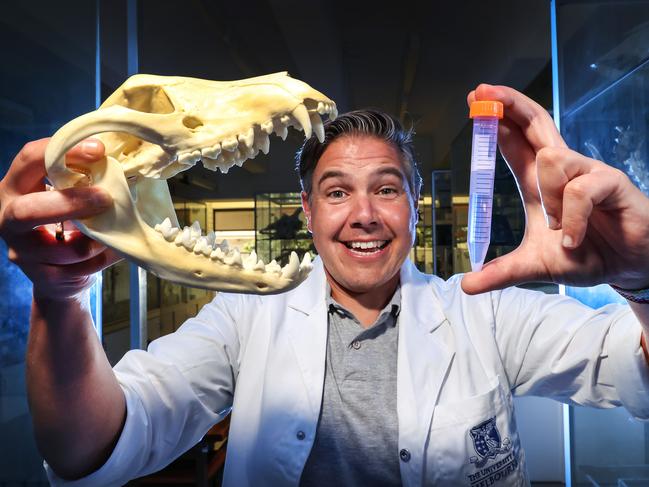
(361, 214)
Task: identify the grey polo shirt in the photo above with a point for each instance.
(356, 440)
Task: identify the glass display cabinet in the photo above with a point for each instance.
(442, 224)
(601, 104)
(280, 227)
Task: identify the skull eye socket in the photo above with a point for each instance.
(191, 122)
(148, 99)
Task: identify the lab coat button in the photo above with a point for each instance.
(356, 344)
(300, 435)
(404, 455)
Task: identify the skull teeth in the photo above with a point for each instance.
(239, 148)
(230, 144)
(191, 239)
(212, 152)
(189, 158)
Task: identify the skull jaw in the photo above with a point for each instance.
(151, 128)
(122, 228)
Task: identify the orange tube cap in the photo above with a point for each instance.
(486, 109)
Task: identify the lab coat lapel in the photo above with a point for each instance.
(307, 331)
(423, 361)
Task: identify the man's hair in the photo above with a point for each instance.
(367, 122)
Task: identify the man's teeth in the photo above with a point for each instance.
(377, 244)
(192, 240)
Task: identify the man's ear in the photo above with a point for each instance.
(307, 210)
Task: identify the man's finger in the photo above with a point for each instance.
(87, 267)
(41, 246)
(580, 196)
(28, 169)
(508, 270)
(26, 212)
(555, 168)
(534, 121)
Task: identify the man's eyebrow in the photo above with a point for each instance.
(391, 170)
(330, 174)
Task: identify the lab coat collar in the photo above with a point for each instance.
(424, 358)
(310, 295)
(424, 354)
(427, 313)
(418, 297)
(307, 330)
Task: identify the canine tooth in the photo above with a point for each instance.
(233, 258)
(267, 127)
(273, 266)
(263, 142)
(212, 152)
(318, 127)
(302, 115)
(217, 254)
(230, 144)
(292, 269)
(248, 138)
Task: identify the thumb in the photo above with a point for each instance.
(505, 271)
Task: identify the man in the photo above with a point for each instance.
(369, 372)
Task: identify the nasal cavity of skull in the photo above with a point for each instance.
(191, 122)
(149, 99)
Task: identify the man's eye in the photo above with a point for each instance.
(387, 191)
(336, 194)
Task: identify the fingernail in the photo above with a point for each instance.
(91, 147)
(553, 223)
(567, 241)
(101, 199)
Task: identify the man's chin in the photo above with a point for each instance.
(361, 284)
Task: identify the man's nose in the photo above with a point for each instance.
(364, 212)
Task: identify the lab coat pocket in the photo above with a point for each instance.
(474, 442)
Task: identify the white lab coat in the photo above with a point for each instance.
(460, 359)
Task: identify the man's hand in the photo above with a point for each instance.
(77, 406)
(597, 228)
(59, 268)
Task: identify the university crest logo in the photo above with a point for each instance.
(487, 442)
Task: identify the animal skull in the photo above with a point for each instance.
(156, 126)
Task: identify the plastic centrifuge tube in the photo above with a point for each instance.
(485, 115)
